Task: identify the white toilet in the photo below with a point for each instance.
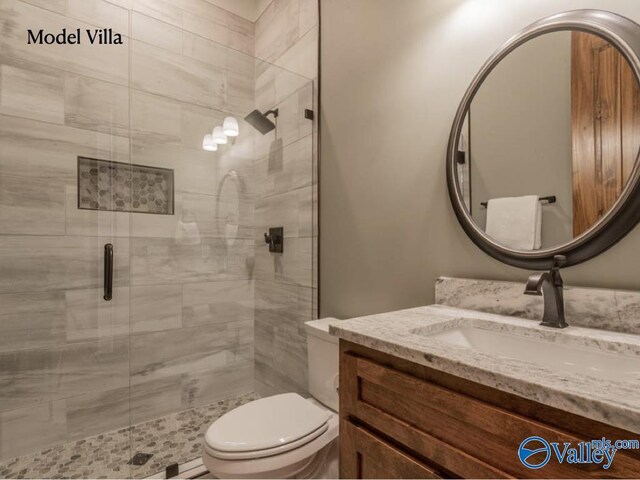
(283, 436)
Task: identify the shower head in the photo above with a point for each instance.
(260, 122)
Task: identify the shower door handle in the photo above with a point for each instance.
(108, 272)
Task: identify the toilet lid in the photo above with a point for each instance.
(266, 423)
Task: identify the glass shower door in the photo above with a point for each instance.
(191, 269)
(64, 349)
(202, 277)
(64, 305)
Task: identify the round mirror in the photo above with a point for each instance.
(543, 154)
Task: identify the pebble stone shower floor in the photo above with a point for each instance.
(175, 438)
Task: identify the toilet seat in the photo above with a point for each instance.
(267, 452)
(294, 463)
(265, 427)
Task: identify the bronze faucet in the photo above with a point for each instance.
(550, 285)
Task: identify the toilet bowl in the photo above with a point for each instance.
(286, 435)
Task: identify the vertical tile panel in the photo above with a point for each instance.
(31, 320)
(165, 10)
(285, 169)
(308, 15)
(89, 317)
(98, 412)
(154, 398)
(93, 367)
(206, 28)
(203, 388)
(101, 13)
(96, 105)
(157, 116)
(240, 93)
(31, 206)
(218, 302)
(156, 32)
(205, 50)
(165, 73)
(302, 57)
(59, 6)
(155, 308)
(293, 267)
(277, 29)
(291, 210)
(185, 351)
(26, 430)
(32, 91)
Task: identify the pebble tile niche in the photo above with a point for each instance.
(123, 187)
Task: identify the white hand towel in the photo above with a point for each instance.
(515, 222)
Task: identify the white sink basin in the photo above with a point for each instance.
(557, 357)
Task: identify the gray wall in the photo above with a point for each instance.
(521, 133)
(392, 76)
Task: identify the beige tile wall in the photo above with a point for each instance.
(286, 38)
(179, 331)
(188, 297)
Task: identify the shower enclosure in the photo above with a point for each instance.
(138, 299)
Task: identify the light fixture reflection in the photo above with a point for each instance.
(209, 144)
(218, 136)
(230, 127)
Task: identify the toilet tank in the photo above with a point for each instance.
(322, 352)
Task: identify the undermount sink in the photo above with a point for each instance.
(558, 357)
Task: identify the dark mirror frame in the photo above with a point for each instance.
(624, 34)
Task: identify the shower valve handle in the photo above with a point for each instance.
(275, 239)
(272, 239)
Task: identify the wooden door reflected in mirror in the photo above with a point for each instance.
(605, 112)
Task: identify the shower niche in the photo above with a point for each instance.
(123, 187)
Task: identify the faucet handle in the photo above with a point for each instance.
(534, 283)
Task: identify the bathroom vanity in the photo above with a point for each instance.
(422, 396)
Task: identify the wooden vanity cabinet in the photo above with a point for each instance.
(399, 419)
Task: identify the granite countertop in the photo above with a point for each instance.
(402, 334)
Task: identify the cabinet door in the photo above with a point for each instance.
(365, 455)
